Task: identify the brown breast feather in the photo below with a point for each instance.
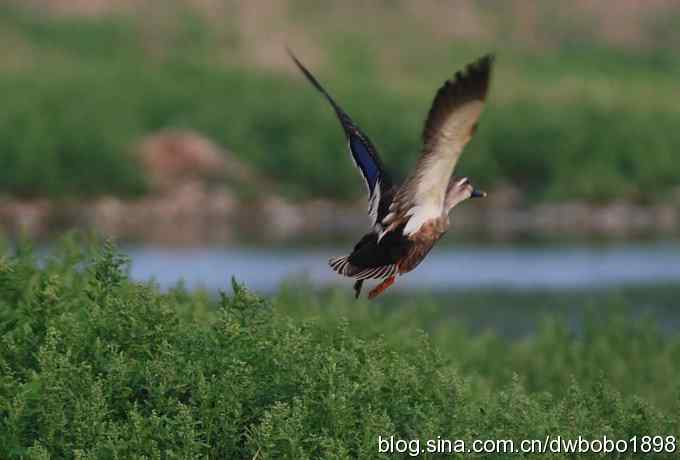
(423, 241)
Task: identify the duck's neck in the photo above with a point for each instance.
(442, 224)
(452, 200)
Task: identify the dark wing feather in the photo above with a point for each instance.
(372, 258)
(370, 252)
(468, 86)
(364, 154)
(450, 124)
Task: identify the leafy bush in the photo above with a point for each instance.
(97, 366)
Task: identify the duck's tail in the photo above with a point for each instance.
(340, 265)
(387, 273)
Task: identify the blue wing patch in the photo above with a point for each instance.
(365, 161)
(363, 152)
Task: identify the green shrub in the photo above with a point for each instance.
(97, 366)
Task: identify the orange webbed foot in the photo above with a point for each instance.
(380, 288)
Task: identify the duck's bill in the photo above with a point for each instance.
(477, 194)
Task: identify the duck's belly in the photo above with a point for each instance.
(421, 243)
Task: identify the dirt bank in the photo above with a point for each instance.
(194, 199)
(198, 213)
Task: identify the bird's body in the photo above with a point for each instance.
(408, 220)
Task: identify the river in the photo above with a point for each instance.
(447, 267)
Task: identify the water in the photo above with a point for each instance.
(447, 267)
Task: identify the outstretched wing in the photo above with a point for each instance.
(364, 155)
(449, 127)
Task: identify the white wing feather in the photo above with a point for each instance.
(435, 169)
(449, 127)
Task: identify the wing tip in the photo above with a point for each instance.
(309, 76)
(295, 59)
(487, 60)
(479, 70)
(472, 81)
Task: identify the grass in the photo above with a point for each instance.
(97, 366)
(576, 122)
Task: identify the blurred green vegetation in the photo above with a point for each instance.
(97, 366)
(578, 121)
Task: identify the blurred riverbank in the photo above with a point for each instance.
(196, 213)
(198, 193)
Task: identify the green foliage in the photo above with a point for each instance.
(97, 366)
(578, 122)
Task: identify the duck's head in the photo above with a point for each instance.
(460, 189)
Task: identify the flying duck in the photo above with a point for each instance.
(408, 219)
